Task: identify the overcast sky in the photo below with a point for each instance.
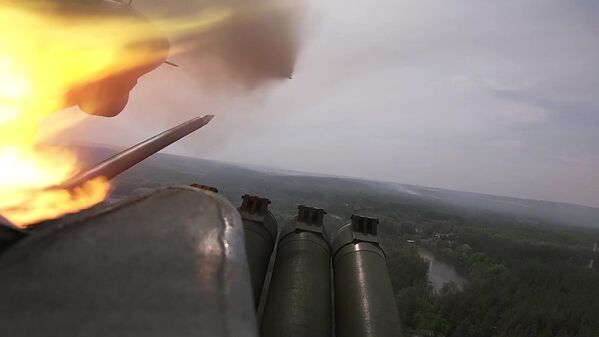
(498, 97)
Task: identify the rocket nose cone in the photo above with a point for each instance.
(201, 120)
(207, 118)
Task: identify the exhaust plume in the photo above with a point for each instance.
(259, 42)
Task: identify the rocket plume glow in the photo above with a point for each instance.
(49, 61)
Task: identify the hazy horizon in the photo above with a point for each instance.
(282, 172)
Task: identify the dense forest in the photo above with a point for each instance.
(523, 280)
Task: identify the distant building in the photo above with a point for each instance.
(407, 228)
(592, 262)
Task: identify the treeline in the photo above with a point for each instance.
(520, 284)
(507, 242)
(530, 298)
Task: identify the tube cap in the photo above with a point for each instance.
(361, 229)
(308, 219)
(255, 209)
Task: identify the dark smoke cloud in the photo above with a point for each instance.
(227, 72)
(258, 43)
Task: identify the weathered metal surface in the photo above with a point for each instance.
(123, 161)
(364, 300)
(171, 263)
(9, 234)
(298, 303)
(205, 187)
(260, 230)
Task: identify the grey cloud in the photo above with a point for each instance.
(495, 97)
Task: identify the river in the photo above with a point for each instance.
(439, 271)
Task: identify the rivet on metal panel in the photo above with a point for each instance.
(205, 187)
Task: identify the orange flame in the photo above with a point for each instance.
(45, 57)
